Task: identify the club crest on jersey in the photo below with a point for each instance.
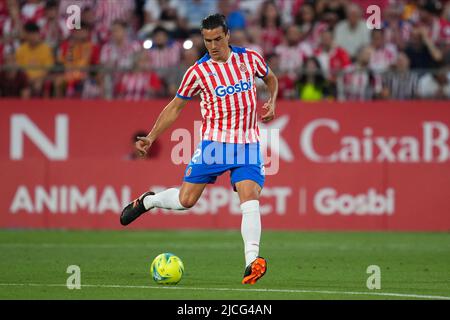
(242, 67)
(222, 91)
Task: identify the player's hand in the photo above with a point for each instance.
(142, 145)
(270, 114)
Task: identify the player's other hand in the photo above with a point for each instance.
(142, 145)
(270, 114)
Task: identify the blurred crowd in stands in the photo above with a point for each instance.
(140, 49)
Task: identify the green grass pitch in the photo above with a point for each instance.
(301, 265)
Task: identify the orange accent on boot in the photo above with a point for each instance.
(258, 270)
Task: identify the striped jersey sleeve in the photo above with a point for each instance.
(262, 69)
(190, 85)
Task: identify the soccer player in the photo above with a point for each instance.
(225, 79)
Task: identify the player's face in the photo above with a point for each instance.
(216, 42)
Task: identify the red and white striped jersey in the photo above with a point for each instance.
(135, 86)
(292, 58)
(169, 56)
(113, 55)
(107, 12)
(228, 95)
(383, 58)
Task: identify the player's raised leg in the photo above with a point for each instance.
(249, 192)
(172, 198)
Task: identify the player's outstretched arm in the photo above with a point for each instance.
(271, 82)
(165, 119)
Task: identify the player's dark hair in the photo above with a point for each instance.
(214, 21)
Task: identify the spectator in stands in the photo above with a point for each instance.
(2, 50)
(312, 85)
(235, 18)
(270, 24)
(419, 28)
(82, 4)
(88, 19)
(429, 20)
(435, 85)
(36, 58)
(383, 55)
(76, 55)
(252, 10)
(241, 38)
(445, 18)
(188, 58)
(92, 86)
(421, 50)
(359, 82)
(400, 83)
(288, 10)
(411, 11)
(88, 8)
(447, 57)
(53, 29)
(438, 27)
(445, 15)
(396, 30)
(164, 55)
(192, 12)
(117, 56)
(141, 83)
(331, 12)
(13, 80)
(11, 25)
(332, 58)
(118, 53)
(309, 25)
(152, 13)
(286, 84)
(159, 13)
(352, 34)
(4, 11)
(32, 10)
(292, 52)
(106, 12)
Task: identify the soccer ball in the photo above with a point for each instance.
(167, 268)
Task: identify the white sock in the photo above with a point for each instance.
(167, 199)
(251, 229)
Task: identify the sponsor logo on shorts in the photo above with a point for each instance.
(188, 172)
